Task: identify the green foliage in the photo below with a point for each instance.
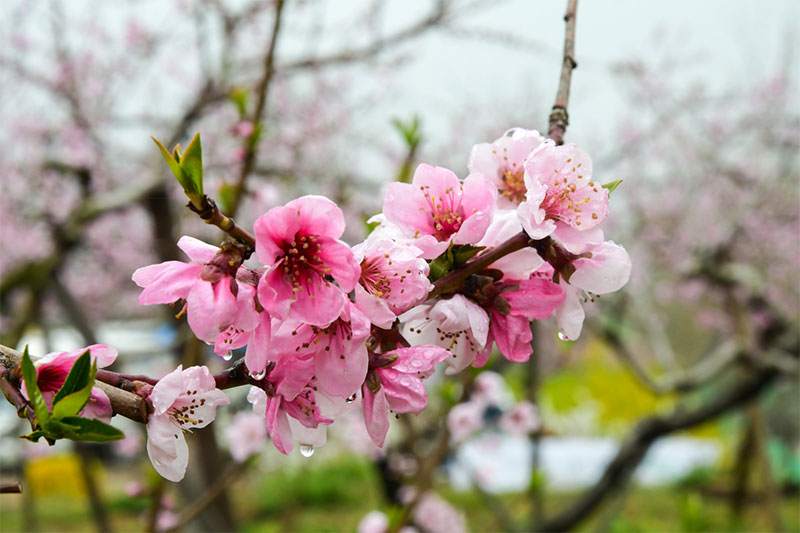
(611, 186)
(410, 131)
(69, 400)
(240, 96)
(452, 258)
(187, 167)
(337, 483)
(693, 513)
(34, 394)
(225, 196)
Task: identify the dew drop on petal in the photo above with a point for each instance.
(306, 450)
(352, 398)
(228, 356)
(260, 375)
(562, 336)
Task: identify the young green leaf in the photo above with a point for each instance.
(77, 378)
(192, 163)
(464, 253)
(611, 186)
(32, 388)
(89, 429)
(73, 395)
(174, 162)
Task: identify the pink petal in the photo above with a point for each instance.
(211, 308)
(278, 426)
(339, 258)
(257, 353)
(608, 270)
(376, 417)
(167, 448)
(535, 298)
(98, 407)
(404, 393)
(320, 304)
(513, 336)
(166, 282)
(197, 250)
(341, 374)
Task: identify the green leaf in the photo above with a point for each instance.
(464, 253)
(75, 392)
(225, 196)
(77, 378)
(239, 96)
(33, 436)
(34, 394)
(611, 186)
(440, 267)
(173, 160)
(192, 163)
(89, 429)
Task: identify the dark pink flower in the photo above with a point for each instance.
(52, 371)
(338, 352)
(395, 382)
(299, 242)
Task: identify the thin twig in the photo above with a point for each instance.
(262, 91)
(14, 487)
(558, 116)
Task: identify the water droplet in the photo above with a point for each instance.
(228, 356)
(352, 398)
(260, 375)
(562, 336)
(306, 450)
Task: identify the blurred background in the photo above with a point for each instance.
(677, 410)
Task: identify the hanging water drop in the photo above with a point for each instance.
(228, 356)
(352, 398)
(306, 450)
(259, 376)
(562, 336)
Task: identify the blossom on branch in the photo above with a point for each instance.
(438, 209)
(300, 244)
(182, 400)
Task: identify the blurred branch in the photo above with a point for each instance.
(13, 487)
(262, 91)
(648, 430)
(558, 116)
(436, 17)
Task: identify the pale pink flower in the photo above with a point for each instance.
(490, 388)
(183, 399)
(394, 382)
(373, 522)
(438, 209)
(607, 268)
(52, 371)
(503, 162)
(338, 351)
(434, 515)
(299, 242)
(561, 192)
(208, 288)
(246, 435)
(465, 419)
(521, 419)
(393, 278)
(456, 324)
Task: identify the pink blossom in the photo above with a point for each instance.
(338, 351)
(52, 371)
(395, 382)
(373, 522)
(605, 269)
(208, 288)
(526, 300)
(503, 162)
(490, 388)
(456, 324)
(521, 419)
(183, 399)
(561, 192)
(432, 513)
(464, 419)
(246, 435)
(300, 242)
(393, 278)
(292, 398)
(437, 209)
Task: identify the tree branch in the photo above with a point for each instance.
(251, 143)
(558, 116)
